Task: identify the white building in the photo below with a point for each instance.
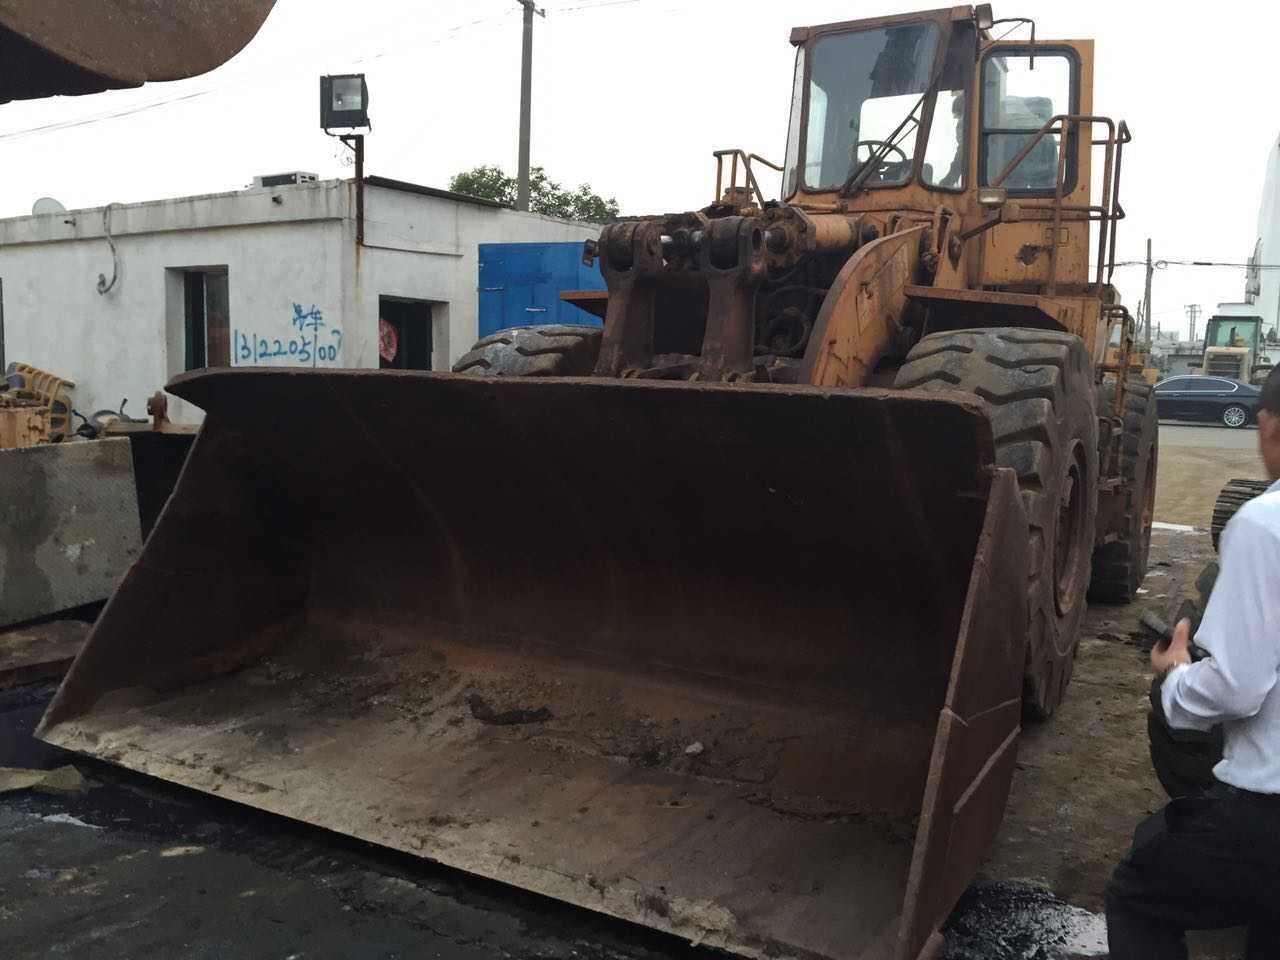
(1262, 285)
(121, 298)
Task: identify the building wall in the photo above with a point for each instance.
(427, 248)
(1182, 362)
(1264, 285)
(129, 341)
(301, 293)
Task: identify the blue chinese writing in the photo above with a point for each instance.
(313, 345)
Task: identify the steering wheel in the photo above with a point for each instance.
(875, 145)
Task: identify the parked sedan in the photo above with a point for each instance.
(1213, 399)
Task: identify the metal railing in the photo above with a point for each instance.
(1107, 213)
(741, 158)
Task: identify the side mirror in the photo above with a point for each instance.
(983, 18)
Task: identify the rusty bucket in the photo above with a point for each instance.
(741, 663)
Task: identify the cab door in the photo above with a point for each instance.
(1019, 94)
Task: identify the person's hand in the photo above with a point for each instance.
(1166, 656)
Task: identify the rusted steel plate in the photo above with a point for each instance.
(976, 746)
(678, 653)
(69, 47)
(1001, 308)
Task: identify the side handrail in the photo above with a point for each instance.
(739, 156)
(1109, 212)
(1116, 312)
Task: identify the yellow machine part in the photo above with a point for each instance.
(49, 389)
(22, 423)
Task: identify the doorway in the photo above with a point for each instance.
(404, 334)
(206, 330)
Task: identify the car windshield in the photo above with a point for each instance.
(861, 87)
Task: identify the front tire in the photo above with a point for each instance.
(1039, 387)
(1235, 416)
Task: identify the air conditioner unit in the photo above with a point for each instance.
(284, 179)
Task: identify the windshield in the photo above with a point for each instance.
(861, 88)
(1234, 333)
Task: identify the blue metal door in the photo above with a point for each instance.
(520, 285)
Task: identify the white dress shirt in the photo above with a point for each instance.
(1236, 685)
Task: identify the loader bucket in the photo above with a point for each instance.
(741, 663)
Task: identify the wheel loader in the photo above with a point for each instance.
(721, 619)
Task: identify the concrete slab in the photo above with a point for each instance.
(69, 526)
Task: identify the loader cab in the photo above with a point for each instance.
(926, 105)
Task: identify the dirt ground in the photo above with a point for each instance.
(140, 868)
(1194, 464)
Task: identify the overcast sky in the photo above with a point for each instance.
(633, 95)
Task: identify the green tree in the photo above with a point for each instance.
(545, 195)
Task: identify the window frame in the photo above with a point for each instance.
(1070, 142)
(966, 173)
(944, 25)
(200, 351)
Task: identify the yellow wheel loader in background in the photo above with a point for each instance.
(721, 620)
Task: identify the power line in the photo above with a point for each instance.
(448, 34)
(591, 6)
(1165, 264)
(98, 118)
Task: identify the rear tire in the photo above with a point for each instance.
(557, 350)
(1233, 496)
(1235, 416)
(1039, 387)
(1120, 563)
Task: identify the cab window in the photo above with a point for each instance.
(1016, 102)
(862, 90)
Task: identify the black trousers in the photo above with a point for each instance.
(1201, 863)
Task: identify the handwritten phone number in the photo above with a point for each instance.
(304, 350)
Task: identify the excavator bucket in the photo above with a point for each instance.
(742, 663)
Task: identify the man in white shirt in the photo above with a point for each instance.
(1213, 861)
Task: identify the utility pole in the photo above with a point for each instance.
(1146, 299)
(1193, 311)
(526, 96)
